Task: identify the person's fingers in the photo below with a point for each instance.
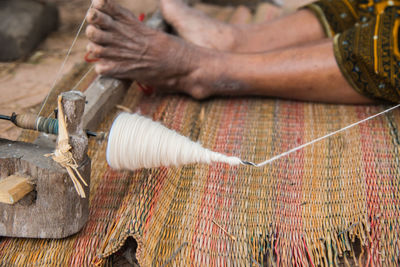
(100, 19)
(108, 68)
(100, 4)
(101, 37)
(113, 9)
(100, 51)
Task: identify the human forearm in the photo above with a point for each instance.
(291, 30)
(307, 73)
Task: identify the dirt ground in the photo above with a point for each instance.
(25, 83)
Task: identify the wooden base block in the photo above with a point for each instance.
(53, 209)
(13, 188)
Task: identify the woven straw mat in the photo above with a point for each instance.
(334, 202)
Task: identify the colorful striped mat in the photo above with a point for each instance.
(331, 203)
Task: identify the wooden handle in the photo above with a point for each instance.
(14, 188)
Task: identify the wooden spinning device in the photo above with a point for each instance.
(38, 199)
(36, 193)
(37, 196)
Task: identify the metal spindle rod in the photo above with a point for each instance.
(47, 125)
(4, 117)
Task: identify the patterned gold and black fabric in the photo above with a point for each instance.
(366, 43)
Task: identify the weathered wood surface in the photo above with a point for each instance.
(73, 103)
(53, 209)
(24, 23)
(102, 95)
(13, 188)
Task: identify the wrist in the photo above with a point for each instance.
(205, 70)
(211, 73)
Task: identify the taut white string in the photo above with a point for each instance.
(83, 77)
(137, 142)
(60, 70)
(324, 137)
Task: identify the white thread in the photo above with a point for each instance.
(83, 78)
(59, 73)
(137, 142)
(324, 137)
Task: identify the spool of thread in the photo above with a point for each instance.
(44, 125)
(32, 122)
(137, 142)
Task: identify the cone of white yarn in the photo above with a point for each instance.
(137, 142)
